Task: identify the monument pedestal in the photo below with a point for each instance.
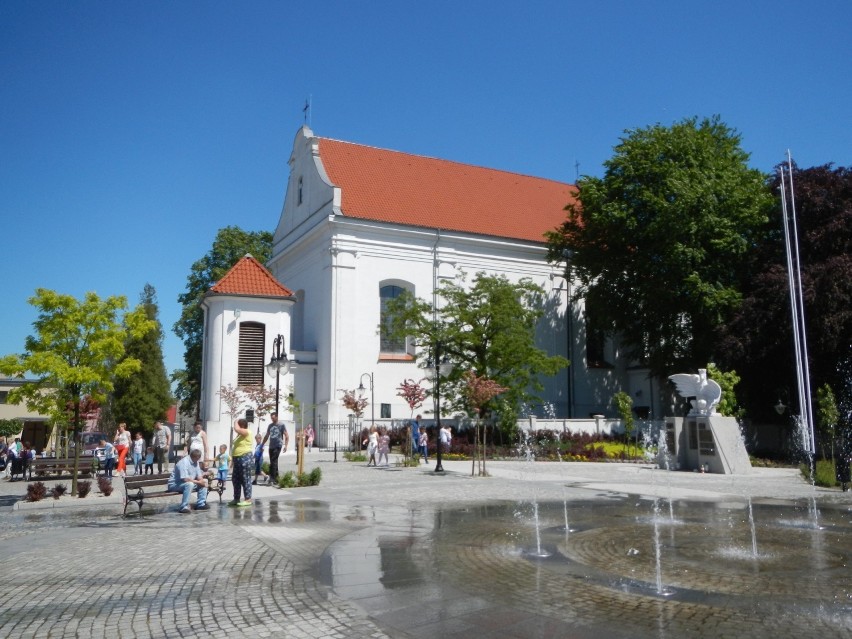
(704, 443)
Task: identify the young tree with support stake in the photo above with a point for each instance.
(77, 351)
(414, 395)
(477, 392)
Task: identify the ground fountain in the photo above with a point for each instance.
(686, 583)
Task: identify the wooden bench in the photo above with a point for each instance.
(51, 468)
(138, 488)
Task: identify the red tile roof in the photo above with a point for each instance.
(389, 186)
(250, 277)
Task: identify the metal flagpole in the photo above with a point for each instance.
(794, 274)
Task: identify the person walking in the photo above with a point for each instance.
(277, 436)
(109, 457)
(138, 449)
(424, 444)
(122, 447)
(243, 460)
(445, 436)
(384, 445)
(258, 459)
(162, 443)
(188, 476)
(372, 446)
(415, 436)
(309, 437)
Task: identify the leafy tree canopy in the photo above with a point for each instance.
(660, 242)
(77, 353)
(10, 427)
(487, 328)
(144, 397)
(759, 340)
(231, 244)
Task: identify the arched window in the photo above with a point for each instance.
(387, 293)
(250, 360)
(300, 191)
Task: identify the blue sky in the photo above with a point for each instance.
(131, 132)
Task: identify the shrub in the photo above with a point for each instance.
(354, 456)
(264, 467)
(59, 490)
(287, 480)
(105, 486)
(36, 491)
(83, 488)
(824, 475)
(314, 477)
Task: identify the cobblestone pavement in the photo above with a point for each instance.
(403, 552)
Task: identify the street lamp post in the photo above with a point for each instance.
(361, 390)
(278, 363)
(438, 367)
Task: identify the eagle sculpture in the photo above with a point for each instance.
(706, 392)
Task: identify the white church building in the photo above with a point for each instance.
(358, 226)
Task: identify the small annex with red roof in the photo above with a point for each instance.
(250, 278)
(244, 312)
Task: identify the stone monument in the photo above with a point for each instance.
(704, 440)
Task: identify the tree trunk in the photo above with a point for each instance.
(475, 447)
(77, 444)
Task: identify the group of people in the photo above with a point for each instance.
(117, 452)
(14, 456)
(244, 460)
(378, 442)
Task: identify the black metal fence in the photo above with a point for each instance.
(339, 433)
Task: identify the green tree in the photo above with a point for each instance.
(144, 397)
(660, 242)
(10, 427)
(828, 417)
(77, 352)
(488, 329)
(624, 405)
(759, 340)
(727, 381)
(230, 245)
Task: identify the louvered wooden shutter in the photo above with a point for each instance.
(252, 339)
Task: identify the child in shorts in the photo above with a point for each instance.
(222, 461)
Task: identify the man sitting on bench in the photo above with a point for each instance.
(187, 476)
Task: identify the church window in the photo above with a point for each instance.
(301, 184)
(250, 360)
(387, 293)
(595, 344)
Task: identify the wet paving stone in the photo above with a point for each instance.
(418, 558)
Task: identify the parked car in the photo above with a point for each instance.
(91, 441)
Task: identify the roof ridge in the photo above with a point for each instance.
(241, 279)
(456, 162)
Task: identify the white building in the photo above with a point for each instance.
(360, 224)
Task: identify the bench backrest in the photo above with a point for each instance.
(49, 461)
(143, 481)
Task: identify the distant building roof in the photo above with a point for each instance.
(250, 278)
(390, 186)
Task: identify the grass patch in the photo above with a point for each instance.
(824, 475)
